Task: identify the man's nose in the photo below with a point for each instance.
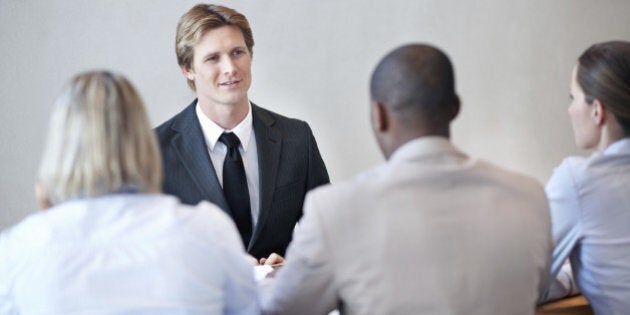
(228, 66)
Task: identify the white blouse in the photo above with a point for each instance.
(126, 254)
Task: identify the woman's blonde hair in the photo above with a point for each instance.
(99, 141)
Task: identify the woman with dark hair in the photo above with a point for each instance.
(590, 197)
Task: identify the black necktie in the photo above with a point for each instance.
(235, 186)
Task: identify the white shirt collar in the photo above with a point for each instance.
(212, 131)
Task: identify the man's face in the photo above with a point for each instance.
(221, 67)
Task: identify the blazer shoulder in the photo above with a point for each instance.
(270, 118)
(178, 123)
(511, 180)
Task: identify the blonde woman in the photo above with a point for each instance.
(590, 197)
(108, 241)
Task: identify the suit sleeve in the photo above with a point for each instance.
(304, 285)
(317, 173)
(7, 270)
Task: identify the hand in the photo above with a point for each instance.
(273, 260)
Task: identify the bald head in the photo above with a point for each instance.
(417, 85)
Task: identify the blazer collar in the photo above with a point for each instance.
(269, 145)
(211, 131)
(190, 147)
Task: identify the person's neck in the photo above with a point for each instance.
(401, 137)
(611, 133)
(227, 116)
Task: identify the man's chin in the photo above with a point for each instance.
(235, 101)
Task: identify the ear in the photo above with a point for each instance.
(380, 119)
(598, 112)
(456, 108)
(188, 72)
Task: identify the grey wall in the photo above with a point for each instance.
(312, 61)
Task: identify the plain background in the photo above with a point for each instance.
(312, 61)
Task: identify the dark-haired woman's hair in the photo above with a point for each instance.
(604, 74)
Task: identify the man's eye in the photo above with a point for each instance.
(212, 58)
(239, 52)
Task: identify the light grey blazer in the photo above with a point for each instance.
(431, 231)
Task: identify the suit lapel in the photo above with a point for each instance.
(268, 144)
(191, 149)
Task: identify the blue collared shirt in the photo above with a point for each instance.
(590, 212)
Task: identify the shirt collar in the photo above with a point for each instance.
(426, 146)
(212, 131)
(618, 147)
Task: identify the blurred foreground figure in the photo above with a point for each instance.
(108, 242)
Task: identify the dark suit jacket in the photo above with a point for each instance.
(289, 165)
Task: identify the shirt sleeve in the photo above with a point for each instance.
(241, 295)
(240, 290)
(6, 273)
(564, 204)
(304, 285)
(563, 284)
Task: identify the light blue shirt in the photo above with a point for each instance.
(590, 212)
(126, 254)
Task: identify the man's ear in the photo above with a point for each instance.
(188, 72)
(598, 113)
(380, 118)
(456, 108)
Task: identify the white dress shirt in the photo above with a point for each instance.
(126, 254)
(590, 211)
(217, 150)
(431, 231)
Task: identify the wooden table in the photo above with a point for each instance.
(575, 305)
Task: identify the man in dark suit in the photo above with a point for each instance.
(254, 164)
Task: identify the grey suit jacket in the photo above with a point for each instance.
(289, 165)
(432, 231)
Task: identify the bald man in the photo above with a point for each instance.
(432, 230)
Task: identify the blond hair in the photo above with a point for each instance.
(99, 141)
(200, 19)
